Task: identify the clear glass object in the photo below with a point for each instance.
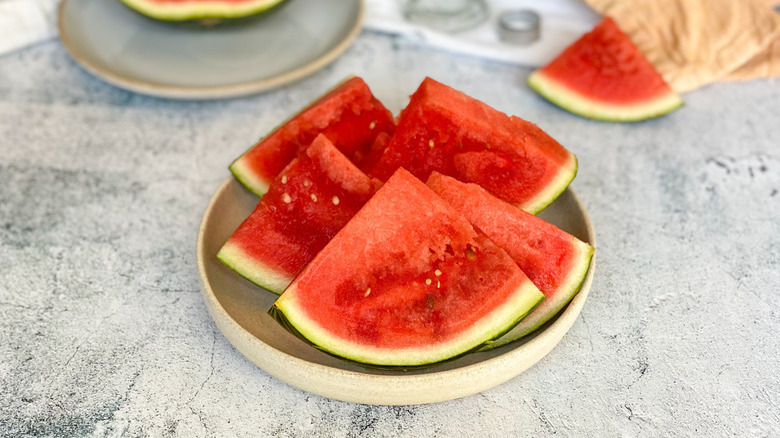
(446, 15)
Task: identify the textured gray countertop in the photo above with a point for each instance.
(103, 331)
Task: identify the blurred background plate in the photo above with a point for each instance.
(240, 311)
(182, 61)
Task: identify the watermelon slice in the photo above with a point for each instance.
(554, 260)
(447, 131)
(349, 115)
(603, 75)
(183, 10)
(407, 282)
(310, 200)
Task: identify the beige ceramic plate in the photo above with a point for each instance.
(140, 54)
(240, 308)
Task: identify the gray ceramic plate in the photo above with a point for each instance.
(185, 62)
(240, 310)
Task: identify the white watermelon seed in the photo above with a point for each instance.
(306, 183)
(314, 197)
(437, 272)
(286, 198)
(428, 281)
(368, 291)
(372, 125)
(284, 179)
(335, 200)
(431, 144)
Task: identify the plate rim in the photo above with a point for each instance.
(210, 92)
(366, 388)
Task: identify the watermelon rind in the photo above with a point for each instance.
(252, 269)
(248, 178)
(552, 305)
(523, 301)
(279, 317)
(194, 10)
(553, 189)
(577, 103)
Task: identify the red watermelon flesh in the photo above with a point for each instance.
(554, 260)
(349, 116)
(375, 152)
(447, 131)
(603, 75)
(407, 282)
(306, 205)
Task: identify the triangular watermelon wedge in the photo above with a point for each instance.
(348, 115)
(604, 76)
(554, 260)
(445, 130)
(306, 205)
(407, 282)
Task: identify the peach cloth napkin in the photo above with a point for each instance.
(696, 42)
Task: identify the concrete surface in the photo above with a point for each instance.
(103, 331)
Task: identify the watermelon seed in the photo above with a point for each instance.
(286, 198)
(368, 291)
(428, 281)
(438, 284)
(284, 179)
(430, 301)
(314, 197)
(487, 146)
(372, 125)
(431, 144)
(471, 254)
(335, 200)
(437, 272)
(307, 183)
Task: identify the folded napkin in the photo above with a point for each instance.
(26, 22)
(696, 42)
(562, 22)
(766, 63)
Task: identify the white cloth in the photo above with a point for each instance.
(26, 22)
(562, 22)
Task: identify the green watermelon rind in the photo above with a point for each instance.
(278, 316)
(577, 103)
(553, 189)
(526, 298)
(249, 179)
(252, 269)
(551, 306)
(198, 10)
